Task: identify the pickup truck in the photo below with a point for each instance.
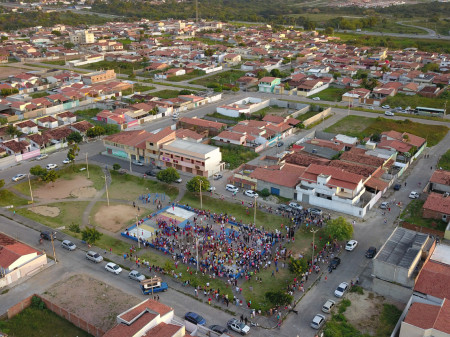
(154, 285)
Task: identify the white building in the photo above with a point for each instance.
(82, 37)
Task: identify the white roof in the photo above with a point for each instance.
(441, 254)
(346, 139)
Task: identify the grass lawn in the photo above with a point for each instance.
(225, 77)
(444, 161)
(242, 117)
(118, 246)
(141, 88)
(56, 62)
(266, 220)
(34, 322)
(331, 94)
(166, 93)
(129, 187)
(190, 76)
(39, 94)
(387, 320)
(361, 127)
(236, 155)
(307, 115)
(88, 113)
(8, 198)
(413, 215)
(271, 110)
(416, 100)
(70, 212)
(119, 67)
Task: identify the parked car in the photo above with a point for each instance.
(69, 245)
(384, 205)
(316, 99)
(135, 275)
(235, 325)
(217, 176)
(280, 144)
(371, 252)
(194, 318)
(218, 328)
(18, 177)
(315, 211)
(150, 173)
(94, 257)
(66, 161)
(113, 268)
(51, 166)
(138, 163)
(414, 195)
(389, 113)
(397, 187)
(351, 245)
(211, 189)
(329, 304)
(251, 194)
(179, 181)
(232, 188)
(296, 206)
(335, 261)
(46, 235)
(318, 321)
(42, 156)
(386, 107)
(341, 289)
(284, 208)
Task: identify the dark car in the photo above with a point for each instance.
(280, 144)
(219, 329)
(151, 173)
(397, 187)
(371, 252)
(194, 318)
(336, 261)
(46, 235)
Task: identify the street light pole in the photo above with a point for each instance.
(31, 192)
(130, 164)
(53, 246)
(106, 186)
(137, 230)
(254, 213)
(201, 200)
(87, 164)
(314, 235)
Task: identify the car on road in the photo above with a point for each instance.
(318, 321)
(51, 166)
(386, 107)
(113, 268)
(316, 99)
(315, 211)
(371, 252)
(341, 289)
(218, 328)
(284, 208)
(232, 188)
(42, 156)
(251, 194)
(397, 187)
(211, 189)
(179, 181)
(135, 275)
(66, 161)
(151, 173)
(137, 163)
(18, 177)
(280, 144)
(389, 113)
(384, 205)
(235, 325)
(217, 176)
(296, 206)
(46, 235)
(351, 245)
(335, 261)
(194, 318)
(69, 245)
(329, 304)
(414, 195)
(94, 257)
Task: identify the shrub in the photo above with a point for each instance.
(75, 228)
(357, 289)
(116, 167)
(36, 302)
(265, 192)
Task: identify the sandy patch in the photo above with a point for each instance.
(114, 217)
(7, 70)
(90, 299)
(84, 192)
(61, 188)
(46, 211)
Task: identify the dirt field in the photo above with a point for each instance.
(61, 189)
(9, 70)
(364, 312)
(84, 192)
(91, 300)
(46, 211)
(114, 217)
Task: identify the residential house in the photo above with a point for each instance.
(154, 142)
(15, 146)
(128, 145)
(66, 117)
(437, 206)
(201, 126)
(268, 84)
(47, 122)
(27, 127)
(440, 181)
(81, 127)
(188, 135)
(99, 76)
(232, 59)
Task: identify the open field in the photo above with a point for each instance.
(8, 198)
(226, 77)
(166, 93)
(413, 215)
(444, 161)
(361, 127)
(113, 217)
(190, 76)
(331, 94)
(271, 110)
(416, 100)
(6, 70)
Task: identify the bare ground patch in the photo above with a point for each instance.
(8, 70)
(46, 211)
(114, 217)
(84, 192)
(61, 188)
(90, 299)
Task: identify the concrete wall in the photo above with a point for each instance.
(24, 270)
(391, 290)
(285, 192)
(317, 117)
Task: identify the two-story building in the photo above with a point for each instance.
(268, 84)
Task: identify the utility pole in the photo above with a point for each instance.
(53, 246)
(130, 164)
(87, 164)
(31, 192)
(137, 230)
(314, 236)
(201, 200)
(254, 213)
(106, 186)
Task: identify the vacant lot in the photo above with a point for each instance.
(444, 161)
(226, 77)
(6, 71)
(416, 100)
(166, 93)
(113, 217)
(361, 127)
(413, 214)
(331, 94)
(190, 76)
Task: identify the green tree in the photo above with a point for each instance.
(56, 32)
(329, 31)
(275, 73)
(265, 192)
(7, 92)
(2, 183)
(74, 149)
(75, 137)
(278, 297)
(297, 267)
(69, 45)
(11, 130)
(96, 131)
(38, 171)
(50, 176)
(287, 86)
(193, 185)
(169, 175)
(235, 89)
(90, 235)
(339, 229)
(116, 167)
(262, 73)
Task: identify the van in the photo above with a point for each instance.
(232, 188)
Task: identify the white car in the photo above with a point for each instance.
(389, 113)
(42, 156)
(351, 245)
(328, 306)
(384, 205)
(296, 206)
(316, 98)
(179, 181)
(251, 194)
(341, 289)
(386, 107)
(51, 166)
(66, 161)
(113, 268)
(232, 188)
(318, 321)
(138, 163)
(69, 245)
(414, 195)
(135, 275)
(18, 177)
(94, 257)
(211, 189)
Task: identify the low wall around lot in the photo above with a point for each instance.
(317, 117)
(74, 319)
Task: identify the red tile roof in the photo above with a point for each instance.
(422, 315)
(273, 119)
(130, 138)
(438, 203)
(339, 177)
(434, 279)
(11, 250)
(186, 133)
(286, 175)
(202, 122)
(441, 177)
